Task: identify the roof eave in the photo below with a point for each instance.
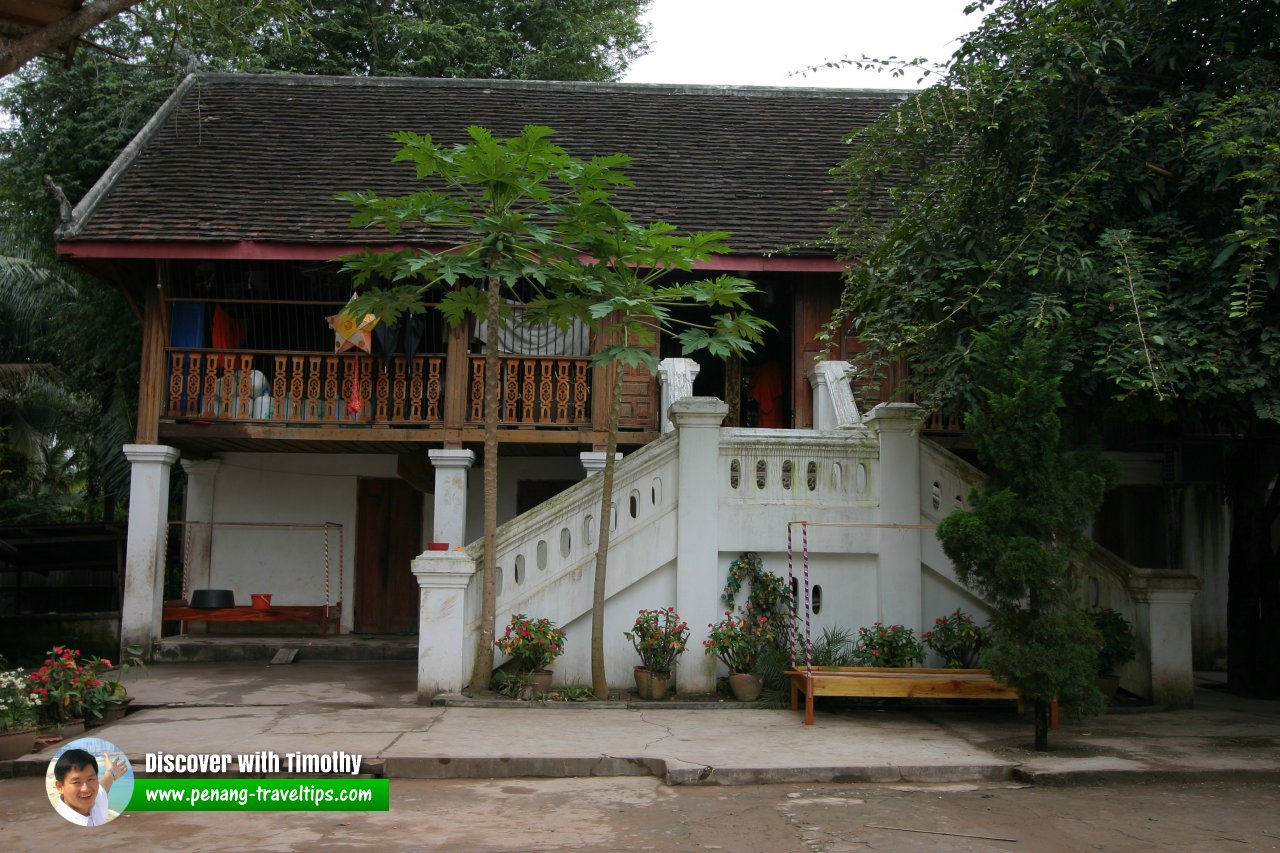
(86, 206)
(251, 250)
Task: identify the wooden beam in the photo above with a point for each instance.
(152, 381)
(19, 52)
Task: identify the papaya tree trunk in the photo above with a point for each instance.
(483, 669)
(599, 684)
(1042, 725)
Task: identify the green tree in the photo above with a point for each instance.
(525, 208)
(1113, 165)
(70, 121)
(628, 296)
(1014, 546)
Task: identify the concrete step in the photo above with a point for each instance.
(347, 647)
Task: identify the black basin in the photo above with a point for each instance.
(207, 599)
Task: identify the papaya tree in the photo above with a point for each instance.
(628, 296)
(519, 213)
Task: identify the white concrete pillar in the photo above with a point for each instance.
(442, 641)
(197, 534)
(1162, 622)
(140, 610)
(450, 524)
(698, 580)
(899, 595)
(833, 403)
(675, 378)
(593, 461)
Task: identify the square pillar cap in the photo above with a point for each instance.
(698, 411)
(448, 458)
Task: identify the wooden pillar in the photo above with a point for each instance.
(457, 376)
(153, 379)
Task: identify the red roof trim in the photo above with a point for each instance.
(249, 250)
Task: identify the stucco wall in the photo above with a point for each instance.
(289, 488)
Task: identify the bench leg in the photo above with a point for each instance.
(808, 702)
(795, 699)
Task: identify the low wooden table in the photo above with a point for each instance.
(321, 614)
(870, 682)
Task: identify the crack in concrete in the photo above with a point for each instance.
(668, 731)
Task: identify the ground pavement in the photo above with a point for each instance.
(369, 708)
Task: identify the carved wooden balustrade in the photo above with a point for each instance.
(304, 387)
(535, 390)
(316, 388)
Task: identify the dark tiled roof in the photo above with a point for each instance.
(258, 157)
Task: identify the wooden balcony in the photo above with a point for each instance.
(221, 398)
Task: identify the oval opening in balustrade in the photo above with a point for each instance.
(811, 476)
(788, 468)
(613, 517)
(566, 541)
(817, 599)
(655, 491)
(735, 473)
(519, 569)
(589, 530)
(497, 580)
(762, 473)
(635, 503)
(541, 555)
(937, 495)
(837, 477)
(861, 478)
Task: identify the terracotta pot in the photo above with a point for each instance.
(642, 682)
(112, 712)
(542, 682)
(65, 730)
(659, 685)
(260, 600)
(17, 744)
(746, 686)
(437, 546)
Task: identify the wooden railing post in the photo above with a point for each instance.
(456, 377)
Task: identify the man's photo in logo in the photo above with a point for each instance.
(89, 781)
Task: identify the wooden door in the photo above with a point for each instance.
(388, 537)
(815, 302)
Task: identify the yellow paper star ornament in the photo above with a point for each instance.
(351, 332)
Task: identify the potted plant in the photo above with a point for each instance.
(957, 639)
(19, 714)
(739, 642)
(108, 699)
(63, 687)
(1115, 647)
(659, 637)
(533, 645)
(887, 645)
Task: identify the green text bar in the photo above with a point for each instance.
(260, 795)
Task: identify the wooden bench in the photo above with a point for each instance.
(869, 682)
(323, 615)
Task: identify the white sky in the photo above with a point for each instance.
(761, 42)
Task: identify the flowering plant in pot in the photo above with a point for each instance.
(19, 703)
(107, 699)
(63, 685)
(739, 643)
(533, 644)
(887, 645)
(19, 714)
(957, 639)
(659, 637)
